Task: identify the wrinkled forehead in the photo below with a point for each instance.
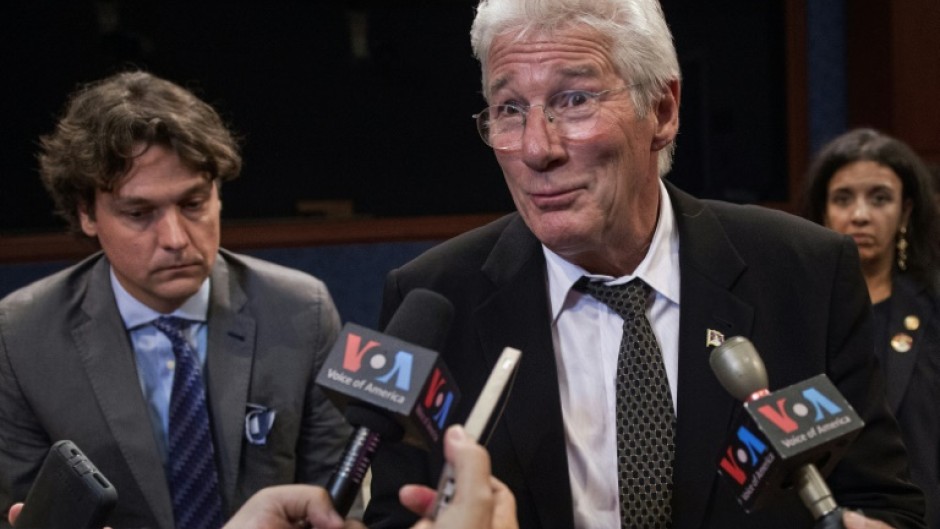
(547, 55)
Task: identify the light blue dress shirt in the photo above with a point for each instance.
(153, 352)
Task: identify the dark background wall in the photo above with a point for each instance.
(368, 102)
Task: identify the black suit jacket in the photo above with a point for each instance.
(792, 287)
(67, 372)
(913, 383)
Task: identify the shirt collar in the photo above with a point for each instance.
(136, 314)
(659, 268)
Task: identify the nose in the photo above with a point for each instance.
(541, 143)
(171, 231)
(860, 212)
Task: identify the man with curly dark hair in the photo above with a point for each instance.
(184, 371)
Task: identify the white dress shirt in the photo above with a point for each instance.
(586, 336)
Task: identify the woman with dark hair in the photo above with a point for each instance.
(875, 189)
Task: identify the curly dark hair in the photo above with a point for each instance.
(923, 229)
(107, 123)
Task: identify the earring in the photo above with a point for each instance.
(902, 248)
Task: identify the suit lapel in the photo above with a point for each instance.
(709, 267)
(230, 353)
(108, 359)
(908, 299)
(533, 413)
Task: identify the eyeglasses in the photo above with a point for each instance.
(573, 113)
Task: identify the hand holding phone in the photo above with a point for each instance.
(478, 419)
(69, 493)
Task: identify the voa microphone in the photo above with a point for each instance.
(791, 437)
(392, 385)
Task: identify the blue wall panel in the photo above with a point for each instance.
(354, 273)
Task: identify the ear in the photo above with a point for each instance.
(87, 220)
(666, 113)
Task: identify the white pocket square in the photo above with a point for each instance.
(258, 422)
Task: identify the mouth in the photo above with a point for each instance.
(555, 199)
(181, 267)
(862, 239)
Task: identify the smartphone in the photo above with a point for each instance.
(68, 493)
(479, 417)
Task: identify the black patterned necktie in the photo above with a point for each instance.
(646, 420)
(193, 476)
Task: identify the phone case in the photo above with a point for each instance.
(496, 384)
(68, 493)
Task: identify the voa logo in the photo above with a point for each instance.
(438, 399)
(813, 403)
(377, 365)
(742, 458)
(790, 413)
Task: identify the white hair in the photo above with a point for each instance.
(640, 41)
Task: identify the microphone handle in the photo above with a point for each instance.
(818, 498)
(345, 483)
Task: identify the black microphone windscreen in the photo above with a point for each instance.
(423, 318)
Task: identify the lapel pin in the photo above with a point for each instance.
(901, 342)
(713, 338)
(911, 323)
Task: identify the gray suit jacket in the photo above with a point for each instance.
(67, 371)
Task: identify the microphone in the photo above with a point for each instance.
(790, 437)
(392, 386)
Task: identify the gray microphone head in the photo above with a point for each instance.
(739, 367)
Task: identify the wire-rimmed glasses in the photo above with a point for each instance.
(573, 113)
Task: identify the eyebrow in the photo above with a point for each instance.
(569, 72)
(876, 189)
(203, 187)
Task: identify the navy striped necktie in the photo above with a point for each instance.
(192, 473)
